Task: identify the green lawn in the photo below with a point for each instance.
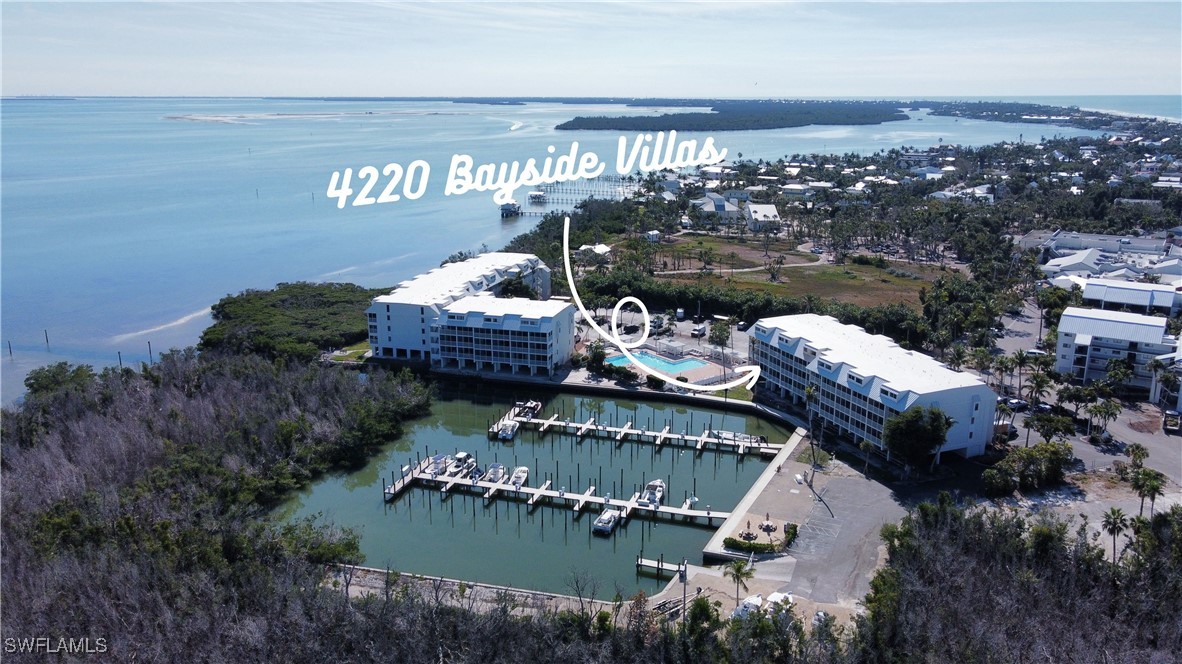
(858, 284)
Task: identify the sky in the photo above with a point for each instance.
(554, 49)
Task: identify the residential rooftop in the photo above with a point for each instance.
(486, 304)
(455, 280)
(1113, 325)
(870, 354)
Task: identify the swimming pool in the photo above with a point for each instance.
(659, 363)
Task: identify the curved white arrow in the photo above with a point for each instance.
(748, 374)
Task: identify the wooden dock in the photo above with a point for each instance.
(583, 499)
(585, 427)
(541, 492)
(661, 436)
(409, 475)
(535, 495)
(659, 566)
(624, 432)
(703, 439)
(738, 443)
(548, 423)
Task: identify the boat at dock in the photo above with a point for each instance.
(737, 438)
(440, 464)
(606, 522)
(462, 465)
(527, 409)
(653, 494)
(520, 476)
(496, 473)
(508, 429)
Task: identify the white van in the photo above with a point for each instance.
(699, 331)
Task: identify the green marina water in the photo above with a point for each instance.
(506, 542)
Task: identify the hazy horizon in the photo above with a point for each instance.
(809, 50)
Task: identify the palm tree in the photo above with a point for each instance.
(957, 357)
(1021, 361)
(982, 361)
(1154, 489)
(810, 395)
(1115, 522)
(867, 447)
(1137, 453)
(741, 572)
(1148, 484)
(1039, 387)
(1004, 366)
(1105, 411)
(1157, 368)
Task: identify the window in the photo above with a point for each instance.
(855, 379)
(824, 366)
(888, 393)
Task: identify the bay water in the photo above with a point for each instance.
(124, 219)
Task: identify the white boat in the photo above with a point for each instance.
(528, 408)
(536, 197)
(653, 494)
(606, 522)
(749, 604)
(735, 437)
(461, 463)
(496, 473)
(440, 463)
(520, 476)
(508, 430)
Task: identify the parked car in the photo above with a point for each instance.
(744, 326)
(1035, 351)
(1017, 405)
(1043, 408)
(820, 617)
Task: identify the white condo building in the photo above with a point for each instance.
(1090, 338)
(481, 332)
(861, 380)
(400, 323)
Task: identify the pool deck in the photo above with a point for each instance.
(708, 371)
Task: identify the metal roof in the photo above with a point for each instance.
(1129, 292)
(1113, 325)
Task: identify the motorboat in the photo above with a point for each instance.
(496, 473)
(653, 494)
(528, 409)
(440, 464)
(606, 522)
(508, 429)
(462, 464)
(520, 476)
(477, 473)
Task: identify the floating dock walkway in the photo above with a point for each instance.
(659, 566)
(527, 415)
(532, 495)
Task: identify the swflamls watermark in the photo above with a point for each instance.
(54, 646)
